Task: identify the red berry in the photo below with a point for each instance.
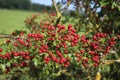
(94, 38)
(95, 64)
(15, 44)
(8, 41)
(82, 51)
(1, 49)
(77, 55)
(86, 60)
(78, 59)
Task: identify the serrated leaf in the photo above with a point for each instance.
(47, 72)
(57, 66)
(118, 7)
(35, 61)
(3, 67)
(102, 3)
(103, 40)
(113, 5)
(8, 64)
(107, 68)
(1, 42)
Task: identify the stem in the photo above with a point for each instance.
(56, 9)
(7, 36)
(58, 12)
(11, 37)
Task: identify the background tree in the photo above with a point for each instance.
(24, 5)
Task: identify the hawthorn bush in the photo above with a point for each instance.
(54, 52)
(73, 48)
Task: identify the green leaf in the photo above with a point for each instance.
(57, 66)
(103, 41)
(113, 5)
(102, 3)
(47, 72)
(3, 67)
(8, 64)
(35, 61)
(118, 6)
(55, 43)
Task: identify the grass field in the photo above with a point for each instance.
(11, 20)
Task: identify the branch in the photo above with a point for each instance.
(11, 37)
(58, 12)
(7, 36)
(111, 61)
(56, 9)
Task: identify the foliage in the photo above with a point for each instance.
(54, 52)
(97, 15)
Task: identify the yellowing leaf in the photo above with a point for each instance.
(98, 76)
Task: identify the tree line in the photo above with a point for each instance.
(23, 4)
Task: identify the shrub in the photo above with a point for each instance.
(49, 51)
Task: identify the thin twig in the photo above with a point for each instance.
(56, 9)
(11, 37)
(111, 61)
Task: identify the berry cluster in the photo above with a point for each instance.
(55, 45)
